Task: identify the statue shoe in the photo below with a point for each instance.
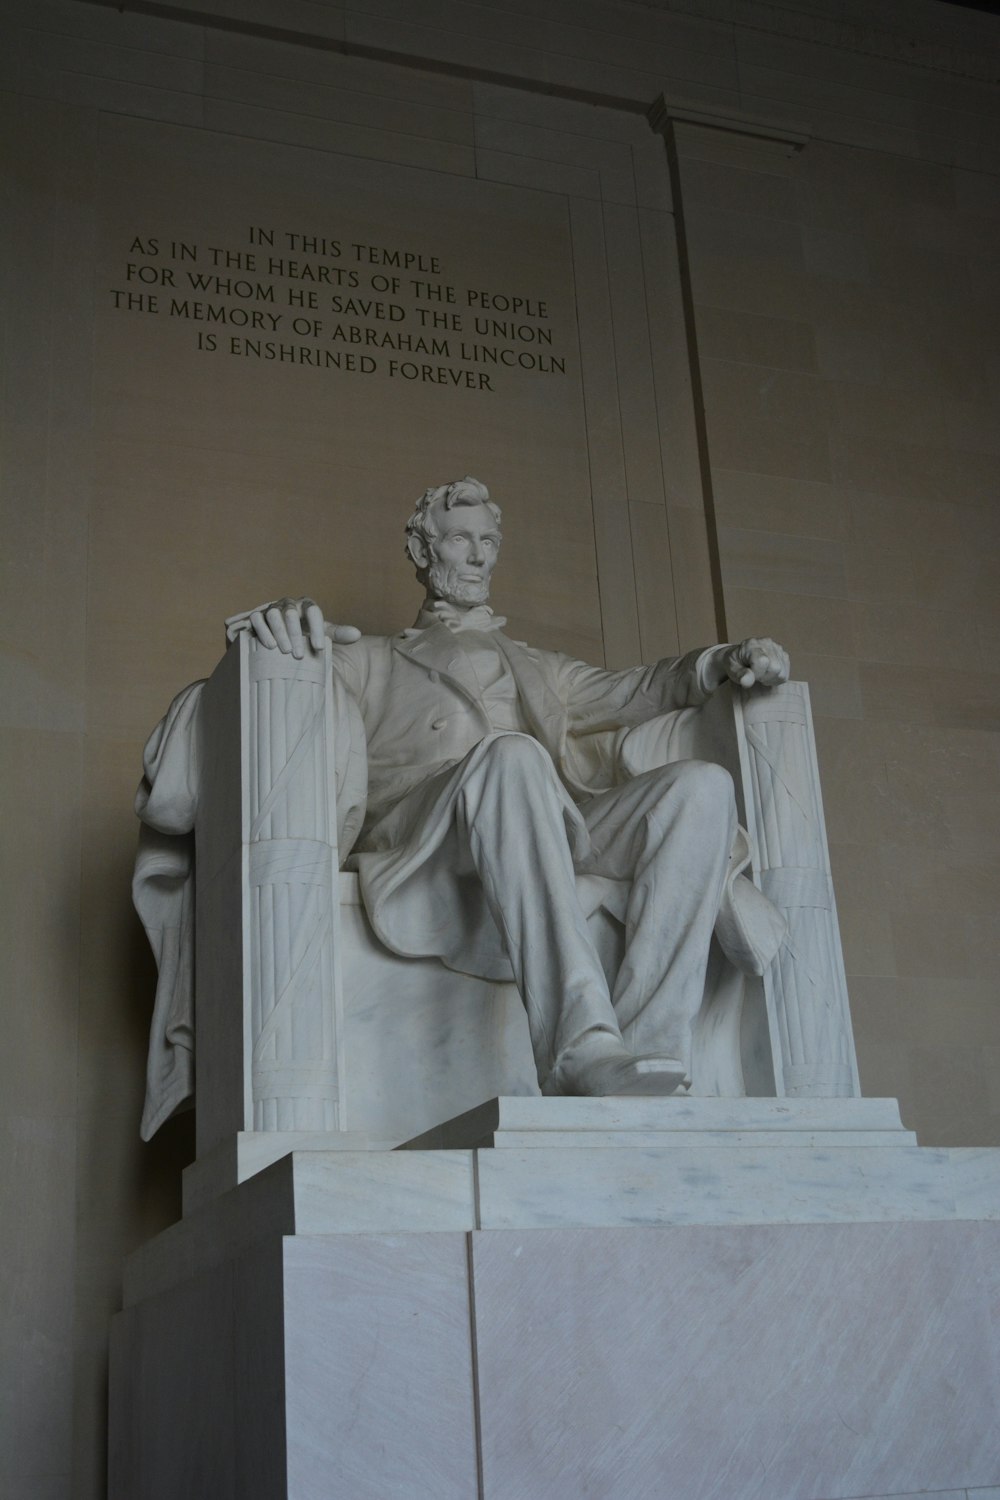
(601, 1065)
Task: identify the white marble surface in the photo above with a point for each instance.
(811, 1140)
(378, 1368)
(806, 988)
(374, 1192)
(766, 1363)
(421, 1042)
(250, 1151)
(305, 1368)
(975, 1175)
(307, 1193)
(687, 1182)
(682, 1113)
(596, 1187)
(926, 1495)
(503, 1120)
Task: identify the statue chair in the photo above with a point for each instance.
(308, 1034)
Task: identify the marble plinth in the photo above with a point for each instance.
(760, 1363)
(706, 1299)
(249, 1151)
(523, 1120)
(310, 1366)
(765, 1362)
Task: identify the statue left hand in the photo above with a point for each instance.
(754, 661)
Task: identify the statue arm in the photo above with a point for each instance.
(755, 662)
(598, 699)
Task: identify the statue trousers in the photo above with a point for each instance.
(667, 833)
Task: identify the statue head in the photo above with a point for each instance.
(453, 538)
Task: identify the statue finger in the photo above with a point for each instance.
(293, 624)
(737, 669)
(345, 635)
(274, 619)
(771, 663)
(261, 629)
(314, 623)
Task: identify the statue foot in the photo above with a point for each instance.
(601, 1065)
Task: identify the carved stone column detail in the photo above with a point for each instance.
(293, 914)
(806, 986)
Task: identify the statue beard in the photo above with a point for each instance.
(444, 583)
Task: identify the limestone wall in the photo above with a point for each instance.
(777, 411)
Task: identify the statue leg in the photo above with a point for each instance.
(668, 831)
(511, 815)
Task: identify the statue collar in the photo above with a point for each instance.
(479, 617)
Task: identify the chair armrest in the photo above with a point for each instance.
(764, 738)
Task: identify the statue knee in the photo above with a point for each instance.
(706, 786)
(517, 757)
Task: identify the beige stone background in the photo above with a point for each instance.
(781, 324)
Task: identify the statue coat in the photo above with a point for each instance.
(423, 713)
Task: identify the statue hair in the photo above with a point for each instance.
(467, 491)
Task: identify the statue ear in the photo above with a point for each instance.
(418, 550)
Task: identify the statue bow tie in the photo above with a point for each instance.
(479, 617)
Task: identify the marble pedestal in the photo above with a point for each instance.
(769, 1299)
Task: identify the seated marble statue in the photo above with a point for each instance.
(482, 815)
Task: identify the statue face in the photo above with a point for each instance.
(463, 554)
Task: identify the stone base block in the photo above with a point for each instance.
(680, 1121)
(618, 1299)
(800, 1362)
(249, 1151)
(320, 1366)
(722, 1362)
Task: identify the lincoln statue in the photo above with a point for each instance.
(484, 815)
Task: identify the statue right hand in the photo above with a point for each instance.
(281, 625)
